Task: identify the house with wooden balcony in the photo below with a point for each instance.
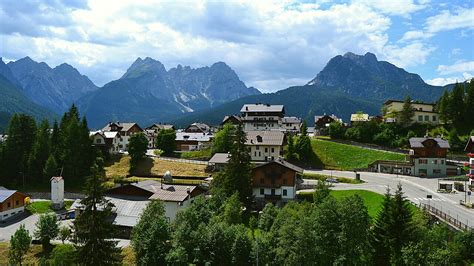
(265, 146)
(428, 156)
(262, 116)
(125, 131)
(275, 182)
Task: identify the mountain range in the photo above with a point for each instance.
(148, 93)
(347, 84)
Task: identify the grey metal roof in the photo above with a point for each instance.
(177, 193)
(260, 107)
(5, 194)
(220, 158)
(265, 138)
(196, 136)
(128, 211)
(284, 164)
(418, 142)
(291, 120)
(124, 126)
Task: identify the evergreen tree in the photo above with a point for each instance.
(443, 107)
(137, 147)
(321, 192)
(269, 213)
(39, 153)
(166, 141)
(469, 105)
(93, 228)
(303, 146)
(55, 145)
(21, 135)
(222, 141)
(381, 232)
(50, 168)
(47, 228)
(232, 213)
(454, 141)
(406, 114)
(151, 235)
(327, 225)
(402, 226)
(291, 150)
(237, 174)
(242, 247)
(456, 105)
(20, 243)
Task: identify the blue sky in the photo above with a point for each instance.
(270, 44)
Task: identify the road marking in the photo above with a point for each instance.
(425, 199)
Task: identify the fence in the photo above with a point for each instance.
(454, 222)
(182, 160)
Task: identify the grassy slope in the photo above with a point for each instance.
(347, 157)
(120, 167)
(372, 200)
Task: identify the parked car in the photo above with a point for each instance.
(332, 180)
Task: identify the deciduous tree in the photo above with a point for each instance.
(166, 141)
(20, 243)
(47, 228)
(137, 147)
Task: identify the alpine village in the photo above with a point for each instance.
(365, 164)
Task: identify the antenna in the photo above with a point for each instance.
(61, 174)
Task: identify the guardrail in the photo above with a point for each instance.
(454, 222)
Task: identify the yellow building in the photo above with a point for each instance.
(424, 112)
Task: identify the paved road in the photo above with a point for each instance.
(416, 190)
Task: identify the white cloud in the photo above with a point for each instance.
(449, 80)
(458, 67)
(460, 18)
(394, 7)
(410, 55)
(415, 35)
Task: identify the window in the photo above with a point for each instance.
(255, 154)
(284, 192)
(17, 202)
(420, 118)
(436, 171)
(257, 147)
(9, 205)
(442, 161)
(422, 161)
(262, 191)
(273, 149)
(427, 118)
(266, 149)
(435, 161)
(273, 191)
(434, 118)
(98, 141)
(422, 171)
(259, 154)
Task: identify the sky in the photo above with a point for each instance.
(270, 44)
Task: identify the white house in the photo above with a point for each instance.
(57, 192)
(291, 124)
(193, 141)
(265, 145)
(423, 112)
(125, 131)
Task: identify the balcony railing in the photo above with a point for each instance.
(272, 197)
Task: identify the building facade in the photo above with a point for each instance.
(275, 182)
(262, 116)
(265, 145)
(125, 131)
(423, 112)
(428, 156)
(12, 202)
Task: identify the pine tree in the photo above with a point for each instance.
(469, 105)
(55, 145)
(291, 150)
(222, 141)
(39, 153)
(381, 237)
(402, 227)
(456, 105)
(237, 174)
(21, 135)
(406, 114)
(93, 228)
(51, 167)
(443, 107)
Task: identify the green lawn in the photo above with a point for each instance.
(348, 157)
(45, 206)
(324, 177)
(372, 200)
(205, 154)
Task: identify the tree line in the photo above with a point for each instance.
(33, 153)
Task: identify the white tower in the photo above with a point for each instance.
(57, 192)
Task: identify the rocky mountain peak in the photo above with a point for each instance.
(143, 66)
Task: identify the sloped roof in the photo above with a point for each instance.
(193, 136)
(273, 137)
(284, 164)
(161, 126)
(260, 107)
(418, 142)
(5, 194)
(359, 117)
(227, 117)
(110, 134)
(291, 120)
(469, 143)
(124, 126)
(177, 193)
(220, 158)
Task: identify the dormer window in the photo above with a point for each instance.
(259, 138)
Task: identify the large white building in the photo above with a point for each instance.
(423, 112)
(125, 131)
(265, 145)
(262, 116)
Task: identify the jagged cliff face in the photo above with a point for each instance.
(365, 76)
(151, 92)
(54, 88)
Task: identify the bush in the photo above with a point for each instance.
(63, 255)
